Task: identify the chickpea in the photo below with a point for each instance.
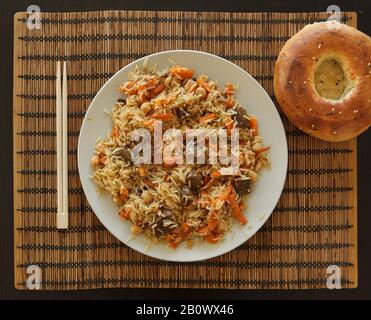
(94, 160)
(132, 101)
(201, 91)
(147, 197)
(145, 107)
(256, 146)
(136, 230)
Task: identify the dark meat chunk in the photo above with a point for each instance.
(124, 153)
(186, 195)
(181, 113)
(164, 222)
(166, 212)
(120, 100)
(240, 117)
(138, 191)
(194, 180)
(242, 185)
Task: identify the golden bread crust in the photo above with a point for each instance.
(294, 87)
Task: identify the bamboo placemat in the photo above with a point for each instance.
(313, 226)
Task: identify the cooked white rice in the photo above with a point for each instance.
(143, 192)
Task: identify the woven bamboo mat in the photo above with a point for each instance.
(313, 226)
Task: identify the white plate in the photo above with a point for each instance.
(266, 191)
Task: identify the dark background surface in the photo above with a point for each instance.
(7, 290)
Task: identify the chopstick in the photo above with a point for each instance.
(62, 147)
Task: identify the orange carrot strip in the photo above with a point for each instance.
(185, 227)
(124, 214)
(181, 72)
(123, 195)
(207, 117)
(216, 174)
(212, 222)
(160, 87)
(162, 116)
(225, 194)
(261, 150)
(254, 125)
(202, 230)
(204, 84)
(211, 238)
(236, 210)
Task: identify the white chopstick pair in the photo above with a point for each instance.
(62, 148)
